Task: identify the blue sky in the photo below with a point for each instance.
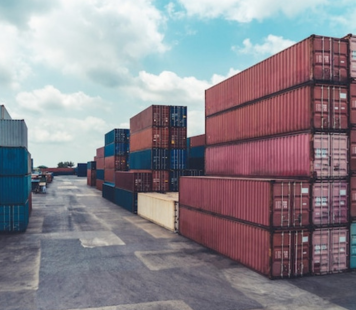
(75, 69)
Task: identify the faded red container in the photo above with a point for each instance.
(178, 137)
(278, 254)
(299, 155)
(137, 181)
(352, 88)
(100, 163)
(316, 58)
(91, 177)
(153, 116)
(197, 140)
(353, 197)
(109, 162)
(303, 108)
(30, 203)
(100, 152)
(352, 57)
(330, 250)
(353, 150)
(330, 203)
(121, 163)
(109, 175)
(152, 137)
(160, 181)
(99, 184)
(271, 203)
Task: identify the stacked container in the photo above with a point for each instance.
(91, 173)
(15, 174)
(196, 153)
(81, 169)
(284, 119)
(100, 166)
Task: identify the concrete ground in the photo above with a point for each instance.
(82, 252)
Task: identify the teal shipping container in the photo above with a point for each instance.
(14, 161)
(117, 135)
(14, 218)
(14, 189)
(126, 199)
(100, 174)
(353, 246)
(109, 191)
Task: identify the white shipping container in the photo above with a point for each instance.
(13, 133)
(161, 209)
(3, 113)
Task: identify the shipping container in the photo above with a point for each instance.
(100, 163)
(330, 203)
(117, 135)
(59, 171)
(178, 137)
(13, 133)
(126, 199)
(153, 116)
(150, 159)
(140, 181)
(315, 59)
(353, 151)
(275, 254)
(353, 246)
(352, 48)
(160, 181)
(353, 197)
(100, 174)
(197, 140)
(14, 161)
(193, 172)
(91, 165)
(14, 217)
(15, 189)
(268, 203)
(109, 191)
(196, 152)
(100, 152)
(152, 137)
(310, 107)
(109, 175)
(174, 176)
(330, 250)
(3, 113)
(352, 100)
(178, 159)
(300, 155)
(116, 149)
(161, 209)
(81, 170)
(178, 116)
(91, 177)
(196, 164)
(99, 184)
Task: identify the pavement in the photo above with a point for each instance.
(80, 251)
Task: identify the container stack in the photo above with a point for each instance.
(196, 154)
(91, 172)
(81, 170)
(284, 120)
(100, 166)
(116, 154)
(15, 174)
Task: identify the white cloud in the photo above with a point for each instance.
(247, 10)
(216, 78)
(271, 45)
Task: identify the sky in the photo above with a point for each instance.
(76, 69)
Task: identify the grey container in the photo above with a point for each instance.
(3, 113)
(13, 133)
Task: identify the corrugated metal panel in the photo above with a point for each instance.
(291, 111)
(352, 88)
(81, 170)
(100, 152)
(330, 203)
(150, 159)
(126, 199)
(14, 161)
(14, 189)
(155, 115)
(152, 137)
(161, 209)
(91, 177)
(13, 133)
(3, 113)
(100, 163)
(178, 159)
(178, 116)
(109, 191)
(14, 218)
(330, 250)
(160, 181)
(299, 155)
(352, 42)
(99, 184)
(278, 254)
(197, 140)
(117, 135)
(100, 174)
(134, 181)
(270, 203)
(196, 152)
(178, 137)
(353, 197)
(174, 176)
(353, 246)
(313, 59)
(109, 175)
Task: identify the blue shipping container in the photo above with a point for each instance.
(174, 179)
(91, 165)
(14, 161)
(14, 218)
(82, 170)
(117, 135)
(197, 151)
(196, 163)
(14, 189)
(119, 149)
(150, 159)
(100, 174)
(109, 191)
(178, 159)
(126, 199)
(353, 246)
(178, 116)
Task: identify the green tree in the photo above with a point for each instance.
(65, 164)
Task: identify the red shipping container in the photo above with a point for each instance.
(109, 162)
(316, 58)
(121, 163)
(278, 254)
(271, 203)
(352, 57)
(152, 137)
(353, 103)
(197, 140)
(300, 155)
(134, 181)
(30, 203)
(353, 150)
(353, 198)
(178, 137)
(109, 175)
(100, 152)
(99, 184)
(160, 181)
(155, 115)
(330, 250)
(330, 203)
(291, 111)
(91, 177)
(100, 163)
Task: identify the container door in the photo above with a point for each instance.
(353, 198)
(339, 155)
(301, 254)
(339, 108)
(321, 245)
(353, 246)
(322, 155)
(339, 245)
(352, 42)
(282, 213)
(352, 90)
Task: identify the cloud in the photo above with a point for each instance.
(216, 78)
(271, 45)
(247, 10)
